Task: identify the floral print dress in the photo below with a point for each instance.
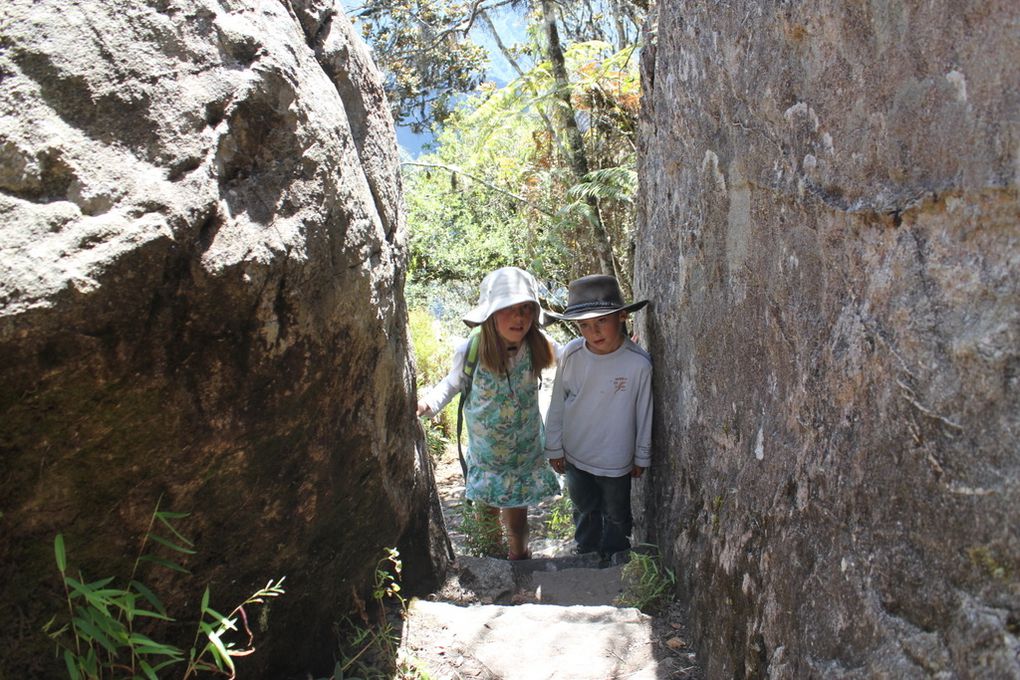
(506, 438)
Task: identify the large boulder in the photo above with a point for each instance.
(202, 301)
(830, 233)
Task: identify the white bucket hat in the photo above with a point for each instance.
(502, 288)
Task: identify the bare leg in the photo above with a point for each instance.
(516, 520)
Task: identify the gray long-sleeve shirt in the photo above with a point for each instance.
(600, 416)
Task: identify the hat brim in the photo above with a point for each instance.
(480, 313)
(581, 315)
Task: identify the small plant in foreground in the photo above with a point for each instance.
(483, 533)
(647, 585)
(368, 649)
(102, 637)
(436, 439)
(561, 519)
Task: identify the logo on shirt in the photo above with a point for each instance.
(619, 384)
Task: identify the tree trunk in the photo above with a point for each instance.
(575, 142)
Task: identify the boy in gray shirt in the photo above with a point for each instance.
(599, 422)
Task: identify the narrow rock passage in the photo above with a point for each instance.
(549, 617)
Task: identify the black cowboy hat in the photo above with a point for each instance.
(592, 296)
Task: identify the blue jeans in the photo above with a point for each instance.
(602, 520)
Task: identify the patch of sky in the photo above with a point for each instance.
(510, 24)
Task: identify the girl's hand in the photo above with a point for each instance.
(637, 471)
(423, 409)
(559, 465)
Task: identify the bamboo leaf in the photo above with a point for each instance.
(150, 673)
(110, 626)
(93, 633)
(72, 665)
(227, 624)
(220, 618)
(167, 514)
(220, 652)
(165, 563)
(164, 517)
(91, 664)
(169, 662)
(152, 615)
(58, 551)
(170, 544)
(149, 596)
(101, 583)
(205, 599)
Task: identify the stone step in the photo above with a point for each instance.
(575, 580)
(528, 642)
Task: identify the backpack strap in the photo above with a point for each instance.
(470, 363)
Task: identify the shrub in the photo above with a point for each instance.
(647, 584)
(369, 646)
(561, 518)
(483, 532)
(432, 357)
(102, 637)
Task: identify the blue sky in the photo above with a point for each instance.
(511, 26)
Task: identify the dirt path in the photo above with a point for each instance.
(549, 617)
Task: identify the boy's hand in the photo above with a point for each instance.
(422, 409)
(637, 471)
(559, 465)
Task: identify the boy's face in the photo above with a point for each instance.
(603, 334)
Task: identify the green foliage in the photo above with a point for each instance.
(431, 54)
(368, 646)
(499, 190)
(608, 184)
(647, 584)
(436, 439)
(103, 634)
(432, 358)
(421, 47)
(560, 522)
(483, 533)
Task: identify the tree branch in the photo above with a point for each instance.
(455, 170)
(464, 27)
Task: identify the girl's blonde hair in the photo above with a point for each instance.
(492, 350)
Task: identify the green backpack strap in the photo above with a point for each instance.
(470, 363)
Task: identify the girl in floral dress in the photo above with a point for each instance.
(506, 465)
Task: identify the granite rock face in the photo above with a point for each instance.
(829, 231)
(201, 300)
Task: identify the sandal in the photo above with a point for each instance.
(526, 555)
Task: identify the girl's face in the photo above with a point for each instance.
(603, 334)
(513, 323)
